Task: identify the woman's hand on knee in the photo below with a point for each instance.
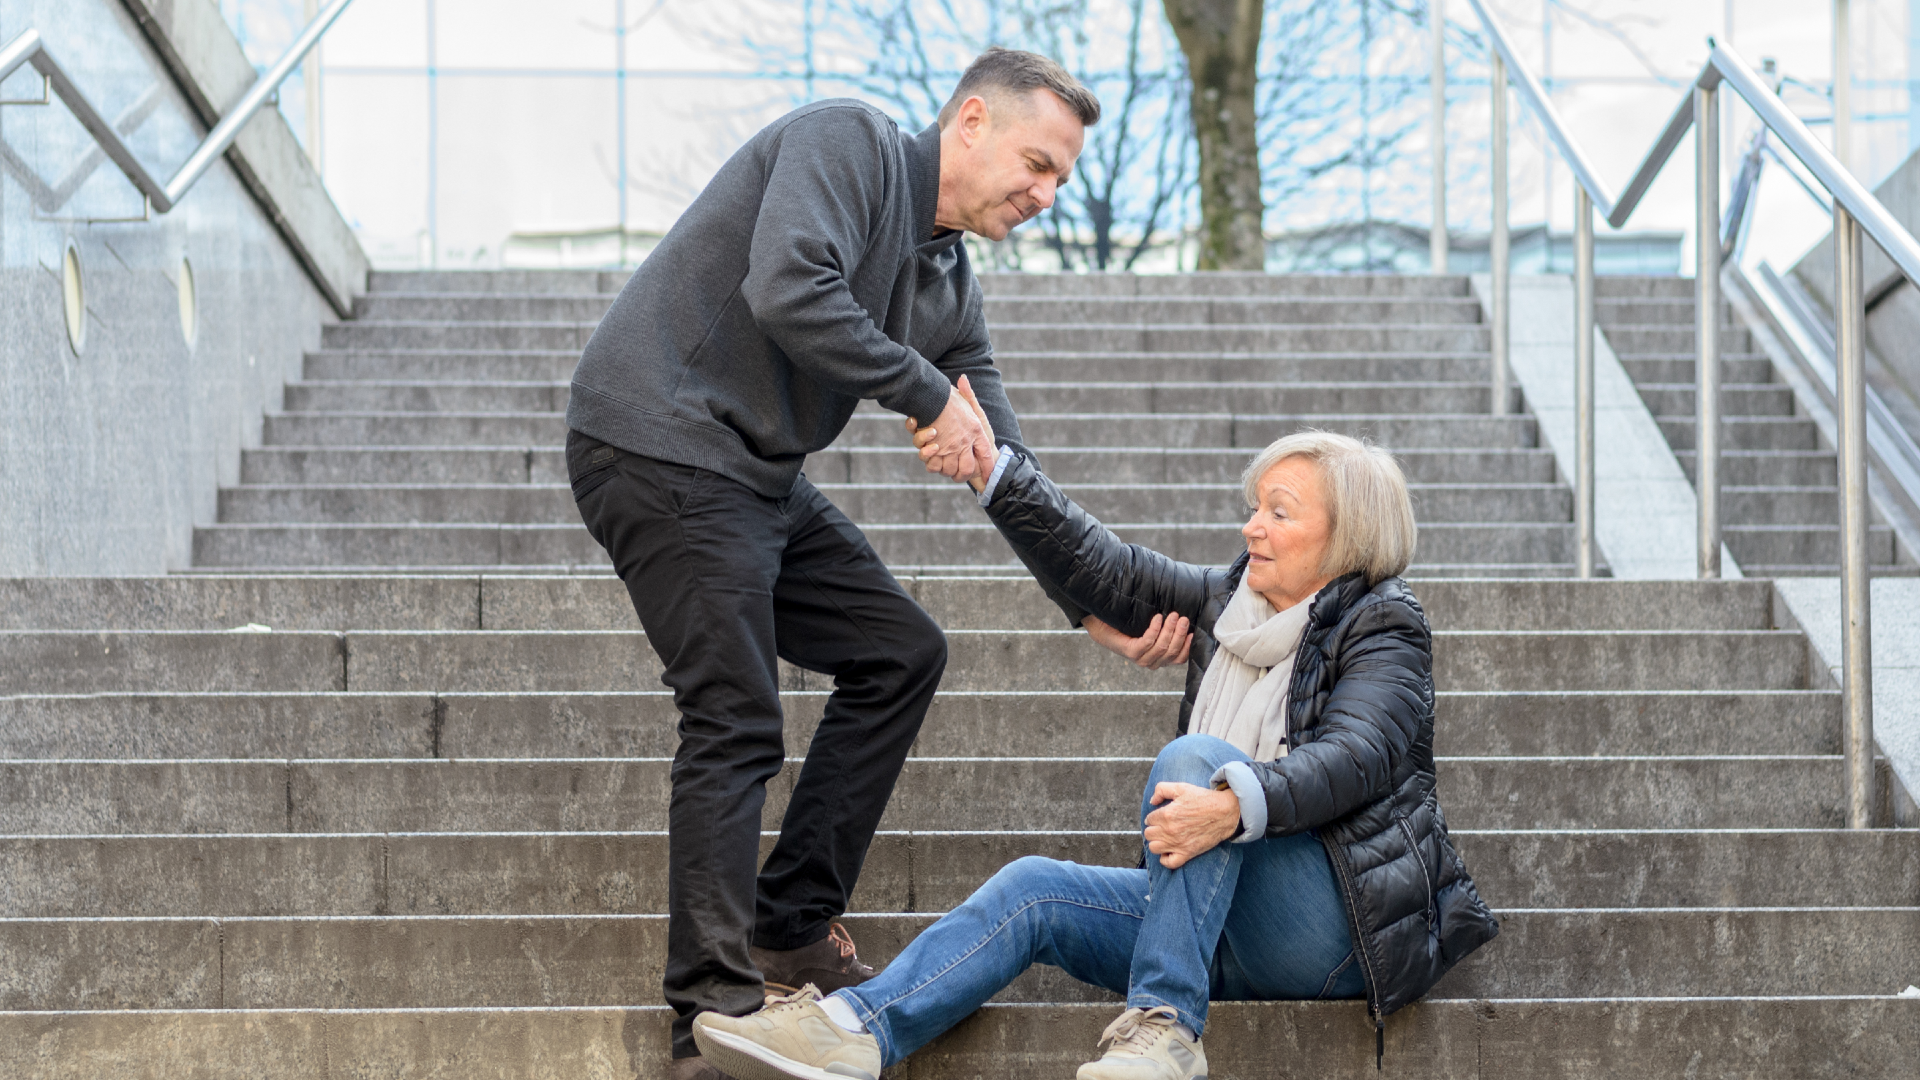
(1166, 641)
(1191, 821)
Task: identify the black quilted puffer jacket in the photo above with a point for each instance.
(1359, 717)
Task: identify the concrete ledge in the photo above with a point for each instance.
(211, 70)
(1810, 1038)
(1894, 606)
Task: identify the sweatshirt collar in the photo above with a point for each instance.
(923, 181)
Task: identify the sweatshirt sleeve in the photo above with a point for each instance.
(825, 194)
(971, 354)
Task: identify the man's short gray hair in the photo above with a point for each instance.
(1370, 513)
(1017, 71)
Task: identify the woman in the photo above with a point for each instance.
(1295, 846)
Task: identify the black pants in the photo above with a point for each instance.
(725, 581)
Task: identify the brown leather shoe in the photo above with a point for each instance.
(831, 964)
(694, 1068)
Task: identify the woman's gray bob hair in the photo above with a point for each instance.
(1370, 513)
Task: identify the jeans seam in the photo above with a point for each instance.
(1327, 987)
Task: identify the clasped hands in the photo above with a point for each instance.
(959, 443)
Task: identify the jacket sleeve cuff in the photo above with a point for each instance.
(993, 479)
(1245, 784)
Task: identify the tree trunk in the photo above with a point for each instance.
(1221, 39)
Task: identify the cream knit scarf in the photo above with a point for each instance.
(1243, 698)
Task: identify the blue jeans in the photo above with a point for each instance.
(1261, 921)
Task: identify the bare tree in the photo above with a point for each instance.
(1132, 185)
(1221, 39)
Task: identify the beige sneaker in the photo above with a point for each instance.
(792, 1038)
(1144, 1044)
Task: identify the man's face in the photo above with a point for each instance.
(1012, 160)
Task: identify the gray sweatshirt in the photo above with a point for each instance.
(805, 278)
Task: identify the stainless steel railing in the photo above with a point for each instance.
(28, 49)
(1854, 210)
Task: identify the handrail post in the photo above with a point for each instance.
(1437, 235)
(1583, 332)
(1497, 252)
(1842, 84)
(1706, 327)
(1856, 658)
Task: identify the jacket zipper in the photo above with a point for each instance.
(1348, 890)
(1413, 849)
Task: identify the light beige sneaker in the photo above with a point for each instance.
(1145, 1044)
(792, 1038)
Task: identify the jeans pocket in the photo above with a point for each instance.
(1331, 987)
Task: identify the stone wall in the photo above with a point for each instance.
(110, 453)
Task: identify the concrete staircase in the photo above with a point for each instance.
(427, 433)
(1779, 493)
(413, 829)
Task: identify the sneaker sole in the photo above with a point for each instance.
(744, 1059)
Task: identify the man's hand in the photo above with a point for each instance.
(1191, 821)
(1166, 641)
(959, 443)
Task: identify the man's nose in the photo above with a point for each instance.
(1042, 193)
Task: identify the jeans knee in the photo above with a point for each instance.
(1015, 883)
(1192, 759)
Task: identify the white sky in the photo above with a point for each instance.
(523, 134)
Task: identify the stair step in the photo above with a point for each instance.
(586, 960)
(1755, 468)
(1684, 369)
(902, 546)
(1630, 341)
(359, 874)
(497, 281)
(1248, 431)
(1002, 311)
(1334, 337)
(895, 504)
(57, 661)
(1753, 1036)
(641, 722)
(1745, 432)
(1223, 283)
(859, 464)
(619, 794)
(1736, 399)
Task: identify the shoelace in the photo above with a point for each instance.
(1136, 1029)
(841, 939)
(802, 996)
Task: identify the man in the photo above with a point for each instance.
(822, 266)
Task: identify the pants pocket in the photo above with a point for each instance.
(590, 463)
(1333, 988)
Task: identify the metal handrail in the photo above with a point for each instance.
(1854, 210)
(29, 49)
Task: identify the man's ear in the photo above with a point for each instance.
(973, 119)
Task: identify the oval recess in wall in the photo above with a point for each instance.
(189, 302)
(74, 297)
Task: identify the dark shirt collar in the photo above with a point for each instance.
(923, 181)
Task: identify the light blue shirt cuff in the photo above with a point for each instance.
(993, 479)
(1245, 784)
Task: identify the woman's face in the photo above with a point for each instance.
(1287, 535)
